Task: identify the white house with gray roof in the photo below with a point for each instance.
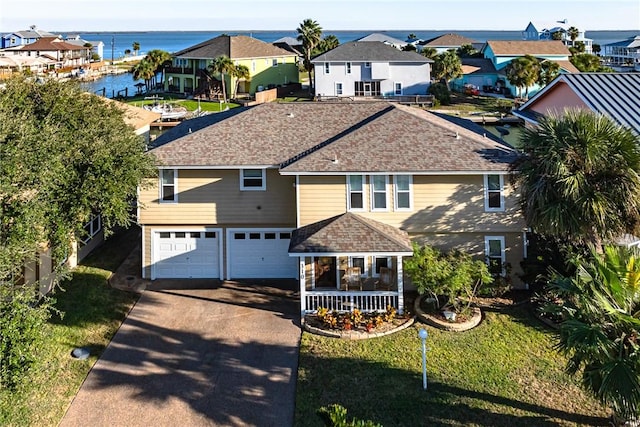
(370, 69)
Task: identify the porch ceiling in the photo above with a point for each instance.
(349, 233)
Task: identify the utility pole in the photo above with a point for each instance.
(112, 47)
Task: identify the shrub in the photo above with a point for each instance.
(441, 93)
(22, 320)
(453, 275)
(336, 416)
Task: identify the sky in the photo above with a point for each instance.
(243, 15)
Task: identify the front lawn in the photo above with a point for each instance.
(91, 311)
(502, 373)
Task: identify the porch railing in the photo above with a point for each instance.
(347, 301)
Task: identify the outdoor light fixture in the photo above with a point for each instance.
(423, 336)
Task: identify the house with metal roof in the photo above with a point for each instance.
(269, 65)
(21, 38)
(612, 94)
(330, 194)
(370, 69)
(58, 51)
(623, 53)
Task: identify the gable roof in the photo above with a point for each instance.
(478, 66)
(50, 44)
(349, 233)
(631, 42)
(380, 37)
(369, 51)
(234, 47)
(566, 66)
(528, 47)
(448, 40)
(363, 137)
(613, 94)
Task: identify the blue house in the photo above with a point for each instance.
(488, 73)
(21, 38)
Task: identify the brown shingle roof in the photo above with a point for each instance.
(51, 44)
(567, 66)
(448, 40)
(235, 47)
(349, 233)
(308, 136)
(528, 47)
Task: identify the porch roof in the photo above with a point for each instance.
(349, 233)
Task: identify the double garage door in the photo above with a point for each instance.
(251, 253)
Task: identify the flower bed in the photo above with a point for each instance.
(355, 324)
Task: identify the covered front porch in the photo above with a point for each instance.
(350, 262)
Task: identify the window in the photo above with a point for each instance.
(253, 65)
(194, 235)
(493, 193)
(379, 192)
(253, 180)
(270, 236)
(165, 235)
(360, 263)
(274, 63)
(92, 228)
(495, 254)
(348, 67)
(285, 236)
(379, 262)
(398, 88)
(181, 62)
(254, 236)
(209, 234)
(402, 188)
(202, 64)
(367, 88)
(168, 182)
(367, 64)
(355, 190)
(327, 68)
(338, 88)
(239, 236)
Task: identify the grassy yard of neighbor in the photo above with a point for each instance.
(92, 312)
(502, 373)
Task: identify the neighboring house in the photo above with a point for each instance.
(17, 64)
(308, 191)
(446, 42)
(546, 31)
(612, 94)
(21, 38)
(384, 38)
(625, 52)
(97, 47)
(501, 52)
(60, 52)
(292, 45)
(370, 69)
(269, 66)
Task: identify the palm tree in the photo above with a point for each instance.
(573, 34)
(326, 44)
(222, 65)
(309, 33)
(447, 66)
(600, 327)
(586, 63)
(240, 72)
(578, 177)
(596, 49)
(144, 70)
(549, 70)
(158, 58)
(429, 52)
(557, 35)
(136, 48)
(523, 72)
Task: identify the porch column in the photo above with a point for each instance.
(400, 285)
(303, 289)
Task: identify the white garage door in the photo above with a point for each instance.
(260, 254)
(186, 254)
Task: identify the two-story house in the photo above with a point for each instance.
(21, 38)
(310, 191)
(55, 49)
(489, 71)
(269, 66)
(446, 42)
(370, 69)
(623, 53)
(546, 32)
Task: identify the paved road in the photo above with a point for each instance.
(226, 356)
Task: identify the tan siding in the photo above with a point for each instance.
(214, 197)
(440, 204)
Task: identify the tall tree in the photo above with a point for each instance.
(578, 177)
(136, 47)
(601, 306)
(523, 72)
(466, 51)
(224, 66)
(309, 34)
(549, 70)
(144, 70)
(158, 58)
(326, 44)
(588, 63)
(447, 66)
(429, 52)
(557, 35)
(573, 34)
(239, 72)
(596, 49)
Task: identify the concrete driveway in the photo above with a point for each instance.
(222, 354)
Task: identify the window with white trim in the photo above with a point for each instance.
(379, 192)
(338, 88)
(397, 88)
(359, 261)
(253, 65)
(378, 263)
(355, 192)
(367, 65)
(327, 68)
(348, 67)
(495, 254)
(92, 228)
(253, 179)
(493, 193)
(181, 62)
(402, 185)
(168, 184)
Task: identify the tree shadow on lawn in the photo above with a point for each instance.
(394, 397)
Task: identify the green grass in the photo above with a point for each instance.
(502, 373)
(92, 312)
(481, 104)
(189, 104)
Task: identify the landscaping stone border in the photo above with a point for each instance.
(475, 320)
(356, 335)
